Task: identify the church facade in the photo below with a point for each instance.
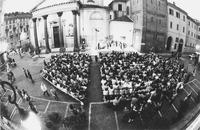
(80, 25)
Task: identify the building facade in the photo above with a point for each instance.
(191, 37)
(198, 36)
(1, 19)
(121, 26)
(145, 25)
(74, 24)
(15, 24)
(82, 25)
(177, 29)
(150, 24)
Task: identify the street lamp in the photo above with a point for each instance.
(29, 120)
(22, 112)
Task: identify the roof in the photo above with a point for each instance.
(176, 7)
(93, 6)
(123, 19)
(49, 3)
(117, 1)
(190, 18)
(37, 5)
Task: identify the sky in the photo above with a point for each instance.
(190, 6)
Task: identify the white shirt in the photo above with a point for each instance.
(105, 93)
(43, 87)
(103, 82)
(111, 91)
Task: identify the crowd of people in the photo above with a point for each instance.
(69, 72)
(140, 79)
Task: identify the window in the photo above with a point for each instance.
(188, 32)
(175, 46)
(151, 19)
(184, 18)
(110, 16)
(177, 39)
(177, 27)
(198, 37)
(189, 23)
(199, 29)
(159, 21)
(194, 36)
(177, 14)
(152, 1)
(183, 29)
(171, 12)
(171, 24)
(191, 33)
(127, 10)
(159, 3)
(119, 7)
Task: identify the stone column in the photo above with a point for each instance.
(76, 46)
(60, 29)
(37, 51)
(48, 50)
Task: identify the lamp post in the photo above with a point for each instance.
(29, 120)
(23, 113)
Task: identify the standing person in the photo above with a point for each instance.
(25, 95)
(194, 72)
(45, 64)
(19, 52)
(53, 93)
(25, 73)
(96, 58)
(30, 76)
(187, 77)
(44, 89)
(196, 58)
(19, 92)
(32, 107)
(11, 76)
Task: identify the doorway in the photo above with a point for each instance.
(169, 43)
(180, 47)
(56, 37)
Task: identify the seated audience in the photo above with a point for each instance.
(140, 79)
(69, 73)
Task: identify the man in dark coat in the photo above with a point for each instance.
(32, 107)
(25, 73)
(30, 76)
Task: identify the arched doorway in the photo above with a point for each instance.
(180, 45)
(169, 43)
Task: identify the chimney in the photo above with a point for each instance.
(174, 3)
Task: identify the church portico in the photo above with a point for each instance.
(81, 26)
(57, 27)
